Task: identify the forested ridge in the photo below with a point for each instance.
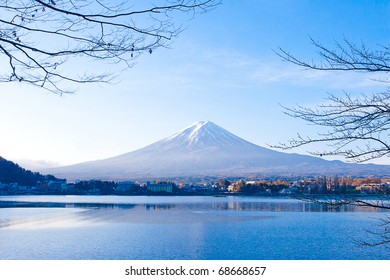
(11, 172)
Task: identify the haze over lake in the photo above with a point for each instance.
(179, 227)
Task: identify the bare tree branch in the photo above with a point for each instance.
(381, 236)
(358, 128)
(346, 57)
(40, 37)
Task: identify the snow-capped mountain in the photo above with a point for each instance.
(205, 149)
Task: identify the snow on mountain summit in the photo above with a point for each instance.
(206, 134)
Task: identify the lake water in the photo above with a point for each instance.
(178, 227)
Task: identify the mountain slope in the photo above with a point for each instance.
(207, 149)
(11, 172)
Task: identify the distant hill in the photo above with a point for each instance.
(11, 172)
(205, 149)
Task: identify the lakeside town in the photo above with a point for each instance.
(270, 186)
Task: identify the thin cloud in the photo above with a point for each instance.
(274, 72)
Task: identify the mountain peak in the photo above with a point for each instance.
(201, 123)
(204, 134)
(198, 125)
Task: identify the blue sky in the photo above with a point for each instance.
(222, 68)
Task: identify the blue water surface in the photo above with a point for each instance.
(175, 228)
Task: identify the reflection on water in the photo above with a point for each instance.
(98, 227)
(57, 211)
(227, 203)
(86, 215)
(29, 218)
